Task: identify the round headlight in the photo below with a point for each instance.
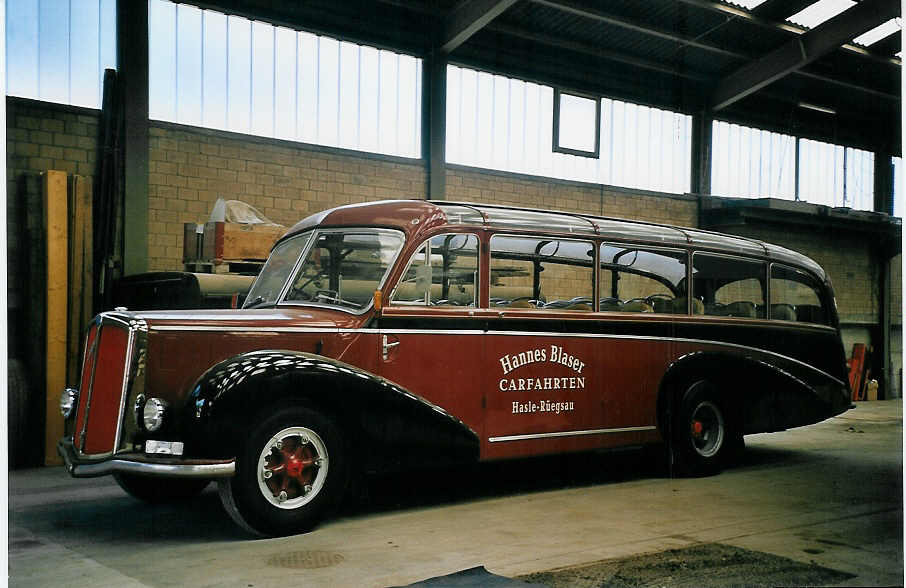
(68, 400)
(153, 414)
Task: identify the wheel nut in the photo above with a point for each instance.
(303, 440)
(307, 488)
(268, 474)
(278, 445)
(319, 462)
(282, 496)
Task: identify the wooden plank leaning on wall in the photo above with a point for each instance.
(56, 207)
(81, 272)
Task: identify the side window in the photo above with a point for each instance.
(442, 272)
(729, 286)
(542, 273)
(633, 279)
(796, 296)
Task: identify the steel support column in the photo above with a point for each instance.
(132, 60)
(701, 153)
(883, 183)
(434, 124)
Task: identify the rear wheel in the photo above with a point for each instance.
(701, 433)
(291, 471)
(156, 490)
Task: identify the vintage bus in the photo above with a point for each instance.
(400, 334)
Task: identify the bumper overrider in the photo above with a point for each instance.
(109, 421)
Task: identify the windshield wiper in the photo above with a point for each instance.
(258, 302)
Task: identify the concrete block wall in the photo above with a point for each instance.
(492, 187)
(846, 258)
(41, 136)
(191, 168)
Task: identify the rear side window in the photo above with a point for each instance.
(442, 272)
(542, 273)
(634, 279)
(796, 296)
(729, 286)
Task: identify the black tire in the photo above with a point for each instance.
(291, 472)
(701, 439)
(156, 490)
(17, 413)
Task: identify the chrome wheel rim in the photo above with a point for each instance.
(707, 429)
(292, 468)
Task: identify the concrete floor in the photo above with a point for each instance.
(831, 494)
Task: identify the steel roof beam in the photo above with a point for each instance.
(595, 51)
(785, 27)
(571, 7)
(803, 50)
(889, 45)
(598, 15)
(780, 9)
(468, 18)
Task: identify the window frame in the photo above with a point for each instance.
(555, 137)
(638, 247)
(317, 232)
(823, 296)
(594, 260)
(766, 276)
(424, 304)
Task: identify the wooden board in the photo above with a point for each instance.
(56, 207)
(237, 241)
(80, 271)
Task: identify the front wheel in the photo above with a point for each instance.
(290, 472)
(701, 435)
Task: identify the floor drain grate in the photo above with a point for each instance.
(305, 560)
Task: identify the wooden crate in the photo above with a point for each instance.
(192, 241)
(236, 241)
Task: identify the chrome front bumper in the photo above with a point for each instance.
(139, 463)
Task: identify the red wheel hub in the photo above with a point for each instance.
(292, 468)
(697, 428)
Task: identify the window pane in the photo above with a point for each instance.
(577, 128)
(537, 273)
(228, 72)
(639, 280)
(22, 48)
(728, 286)
(752, 163)
(344, 269)
(820, 173)
(795, 296)
(441, 273)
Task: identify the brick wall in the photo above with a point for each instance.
(846, 258)
(491, 187)
(41, 136)
(191, 168)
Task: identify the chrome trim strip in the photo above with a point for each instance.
(505, 333)
(569, 434)
(251, 329)
(136, 465)
(124, 389)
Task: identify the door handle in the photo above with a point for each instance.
(387, 345)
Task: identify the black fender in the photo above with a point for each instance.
(385, 426)
(762, 391)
